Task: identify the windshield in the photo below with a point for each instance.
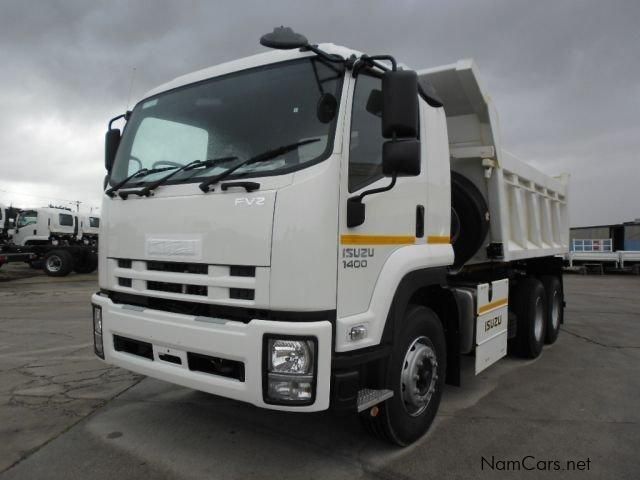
(94, 222)
(238, 115)
(27, 218)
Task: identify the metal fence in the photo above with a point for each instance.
(592, 245)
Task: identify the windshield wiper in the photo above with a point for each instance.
(140, 173)
(148, 189)
(262, 157)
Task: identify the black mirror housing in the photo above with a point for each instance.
(400, 104)
(111, 143)
(401, 158)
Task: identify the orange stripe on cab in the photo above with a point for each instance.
(378, 239)
(438, 239)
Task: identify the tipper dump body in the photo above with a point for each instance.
(528, 213)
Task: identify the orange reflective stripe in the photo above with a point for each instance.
(438, 239)
(378, 239)
(493, 305)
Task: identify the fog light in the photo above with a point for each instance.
(97, 331)
(290, 389)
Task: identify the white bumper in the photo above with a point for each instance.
(230, 340)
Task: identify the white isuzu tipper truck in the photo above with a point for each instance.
(315, 228)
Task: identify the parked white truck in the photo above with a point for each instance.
(4, 222)
(314, 228)
(89, 228)
(43, 226)
(50, 238)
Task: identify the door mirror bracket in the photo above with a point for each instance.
(355, 207)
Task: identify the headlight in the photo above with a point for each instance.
(290, 370)
(291, 356)
(97, 331)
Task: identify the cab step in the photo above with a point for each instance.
(367, 398)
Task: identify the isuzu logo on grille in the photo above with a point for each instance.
(173, 247)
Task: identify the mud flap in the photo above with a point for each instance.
(491, 323)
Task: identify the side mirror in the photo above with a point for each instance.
(401, 158)
(111, 143)
(400, 104)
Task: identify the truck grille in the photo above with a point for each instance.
(233, 285)
(179, 267)
(178, 288)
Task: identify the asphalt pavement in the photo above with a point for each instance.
(64, 414)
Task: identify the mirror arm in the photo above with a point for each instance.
(378, 190)
(126, 115)
(355, 207)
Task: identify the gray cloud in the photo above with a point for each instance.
(564, 77)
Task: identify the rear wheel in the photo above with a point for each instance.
(88, 264)
(530, 305)
(415, 373)
(58, 263)
(555, 307)
(36, 264)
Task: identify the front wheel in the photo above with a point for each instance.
(58, 263)
(416, 373)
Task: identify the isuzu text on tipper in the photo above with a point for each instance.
(316, 228)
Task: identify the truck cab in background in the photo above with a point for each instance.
(342, 229)
(89, 228)
(4, 222)
(45, 226)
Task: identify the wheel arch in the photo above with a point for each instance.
(428, 287)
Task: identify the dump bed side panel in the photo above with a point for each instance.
(527, 208)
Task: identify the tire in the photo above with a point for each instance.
(58, 263)
(555, 307)
(469, 219)
(530, 306)
(88, 264)
(404, 417)
(36, 264)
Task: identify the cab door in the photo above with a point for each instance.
(392, 218)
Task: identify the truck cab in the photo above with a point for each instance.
(42, 226)
(277, 230)
(89, 228)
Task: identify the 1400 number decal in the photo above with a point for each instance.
(356, 257)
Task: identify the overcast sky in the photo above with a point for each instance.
(564, 75)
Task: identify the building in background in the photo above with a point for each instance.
(612, 238)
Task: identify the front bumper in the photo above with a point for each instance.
(230, 340)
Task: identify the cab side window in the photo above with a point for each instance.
(365, 147)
